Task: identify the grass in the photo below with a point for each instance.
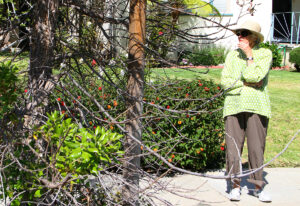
(284, 91)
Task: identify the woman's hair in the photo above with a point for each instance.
(255, 39)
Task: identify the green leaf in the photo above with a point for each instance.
(93, 150)
(72, 145)
(76, 153)
(86, 156)
(37, 193)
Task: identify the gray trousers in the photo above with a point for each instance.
(254, 127)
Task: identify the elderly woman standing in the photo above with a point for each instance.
(247, 106)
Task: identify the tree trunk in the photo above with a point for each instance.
(41, 58)
(135, 87)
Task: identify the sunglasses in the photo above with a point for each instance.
(243, 33)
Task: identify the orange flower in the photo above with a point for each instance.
(79, 97)
(90, 122)
(179, 122)
(170, 160)
(153, 132)
(201, 149)
(155, 149)
(220, 134)
(108, 107)
(157, 98)
(223, 144)
(115, 103)
(187, 95)
(59, 99)
(173, 156)
(63, 111)
(142, 147)
(111, 127)
(187, 116)
(152, 103)
(198, 152)
(144, 99)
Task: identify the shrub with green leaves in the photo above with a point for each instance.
(206, 56)
(79, 150)
(8, 87)
(295, 58)
(276, 53)
(192, 137)
(58, 151)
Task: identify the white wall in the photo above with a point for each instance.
(262, 14)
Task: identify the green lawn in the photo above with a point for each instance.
(284, 90)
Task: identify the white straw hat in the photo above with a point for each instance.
(252, 26)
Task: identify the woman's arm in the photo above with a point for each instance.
(256, 72)
(228, 80)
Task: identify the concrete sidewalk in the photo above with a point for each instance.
(283, 185)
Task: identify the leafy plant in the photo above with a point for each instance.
(58, 150)
(8, 87)
(79, 150)
(276, 53)
(206, 56)
(295, 58)
(162, 129)
(190, 139)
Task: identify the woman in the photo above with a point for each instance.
(247, 106)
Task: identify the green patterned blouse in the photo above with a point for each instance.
(241, 98)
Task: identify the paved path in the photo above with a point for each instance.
(284, 187)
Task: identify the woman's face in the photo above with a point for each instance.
(250, 39)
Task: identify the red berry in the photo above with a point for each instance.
(99, 88)
(25, 90)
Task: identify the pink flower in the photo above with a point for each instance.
(94, 62)
(160, 33)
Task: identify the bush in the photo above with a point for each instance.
(8, 87)
(190, 140)
(194, 138)
(59, 149)
(295, 58)
(276, 53)
(206, 56)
